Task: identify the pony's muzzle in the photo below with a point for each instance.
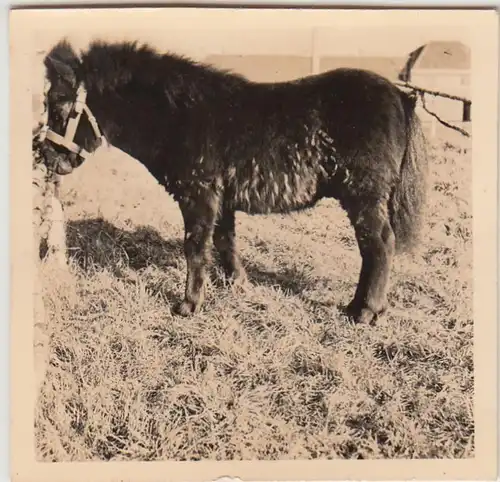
(63, 167)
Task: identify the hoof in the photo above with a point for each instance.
(365, 317)
(362, 315)
(185, 308)
(239, 281)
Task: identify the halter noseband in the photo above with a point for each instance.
(67, 141)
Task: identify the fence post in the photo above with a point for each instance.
(466, 115)
(315, 59)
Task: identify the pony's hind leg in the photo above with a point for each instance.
(376, 241)
(224, 241)
(199, 205)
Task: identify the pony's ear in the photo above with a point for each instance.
(63, 70)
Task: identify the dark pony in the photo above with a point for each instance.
(220, 143)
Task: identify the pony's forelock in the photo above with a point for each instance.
(63, 51)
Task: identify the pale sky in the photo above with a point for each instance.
(198, 37)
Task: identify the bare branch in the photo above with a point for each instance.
(432, 92)
(433, 114)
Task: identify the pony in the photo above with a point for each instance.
(220, 143)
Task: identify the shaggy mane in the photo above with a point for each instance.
(113, 65)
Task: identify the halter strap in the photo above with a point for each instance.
(70, 145)
(67, 140)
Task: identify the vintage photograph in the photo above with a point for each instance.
(252, 240)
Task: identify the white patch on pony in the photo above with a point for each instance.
(347, 176)
(288, 189)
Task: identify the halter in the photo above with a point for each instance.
(79, 107)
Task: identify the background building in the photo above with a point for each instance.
(264, 68)
(443, 66)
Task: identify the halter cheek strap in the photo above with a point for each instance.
(67, 141)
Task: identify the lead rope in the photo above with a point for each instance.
(40, 135)
(45, 182)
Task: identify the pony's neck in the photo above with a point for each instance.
(137, 95)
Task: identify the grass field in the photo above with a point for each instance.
(269, 372)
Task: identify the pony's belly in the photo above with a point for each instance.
(268, 208)
(271, 192)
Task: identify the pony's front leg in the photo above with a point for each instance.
(199, 206)
(224, 241)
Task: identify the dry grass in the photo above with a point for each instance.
(273, 372)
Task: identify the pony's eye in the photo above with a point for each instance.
(59, 97)
(57, 117)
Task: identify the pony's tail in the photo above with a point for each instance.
(409, 196)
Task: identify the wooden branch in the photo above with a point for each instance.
(432, 92)
(433, 114)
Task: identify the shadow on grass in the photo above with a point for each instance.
(98, 243)
(288, 279)
(291, 281)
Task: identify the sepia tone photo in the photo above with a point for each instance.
(252, 238)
